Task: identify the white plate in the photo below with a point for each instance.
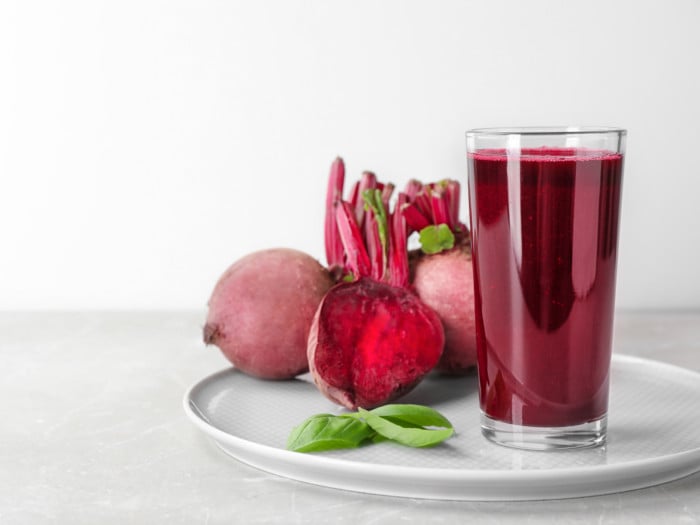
(653, 437)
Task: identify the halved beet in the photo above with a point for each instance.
(371, 342)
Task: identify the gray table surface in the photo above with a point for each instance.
(93, 431)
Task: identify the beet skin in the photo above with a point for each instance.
(444, 281)
(261, 309)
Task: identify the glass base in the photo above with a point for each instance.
(590, 434)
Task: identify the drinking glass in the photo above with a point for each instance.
(544, 212)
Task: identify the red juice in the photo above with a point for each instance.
(544, 227)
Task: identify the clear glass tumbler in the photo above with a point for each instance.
(544, 211)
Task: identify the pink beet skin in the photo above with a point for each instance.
(445, 282)
(370, 343)
(261, 309)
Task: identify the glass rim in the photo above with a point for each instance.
(547, 130)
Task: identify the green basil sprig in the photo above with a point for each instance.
(410, 425)
(327, 432)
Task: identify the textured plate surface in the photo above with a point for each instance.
(653, 437)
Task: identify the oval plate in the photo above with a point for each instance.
(653, 437)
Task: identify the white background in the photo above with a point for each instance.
(145, 145)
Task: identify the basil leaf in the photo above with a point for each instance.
(412, 415)
(411, 436)
(436, 238)
(411, 425)
(327, 432)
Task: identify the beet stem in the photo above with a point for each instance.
(438, 202)
(380, 239)
(398, 269)
(357, 259)
(367, 181)
(452, 196)
(334, 247)
(413, 188)
(422, 202)
(387, 192)
(354, 194)
(374, 246)
(415, 220)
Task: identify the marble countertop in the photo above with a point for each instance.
(93, 431)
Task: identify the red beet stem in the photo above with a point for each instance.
(452, 197)
(415, 220)
(354, 194)
(434, 203)
(334, 247)
(413, 188)
(398, 264)
(374, 246)
(387, 192)
(367, 181)
(422, 202)
(377, 239)
(366, 239)
(438, 202)
(357, 259)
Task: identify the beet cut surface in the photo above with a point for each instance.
(371, 343)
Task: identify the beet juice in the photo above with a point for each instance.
(544, 226)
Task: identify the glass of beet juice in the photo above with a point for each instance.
(544, 211)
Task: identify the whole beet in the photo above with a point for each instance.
(444, 281)
(261, 310)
